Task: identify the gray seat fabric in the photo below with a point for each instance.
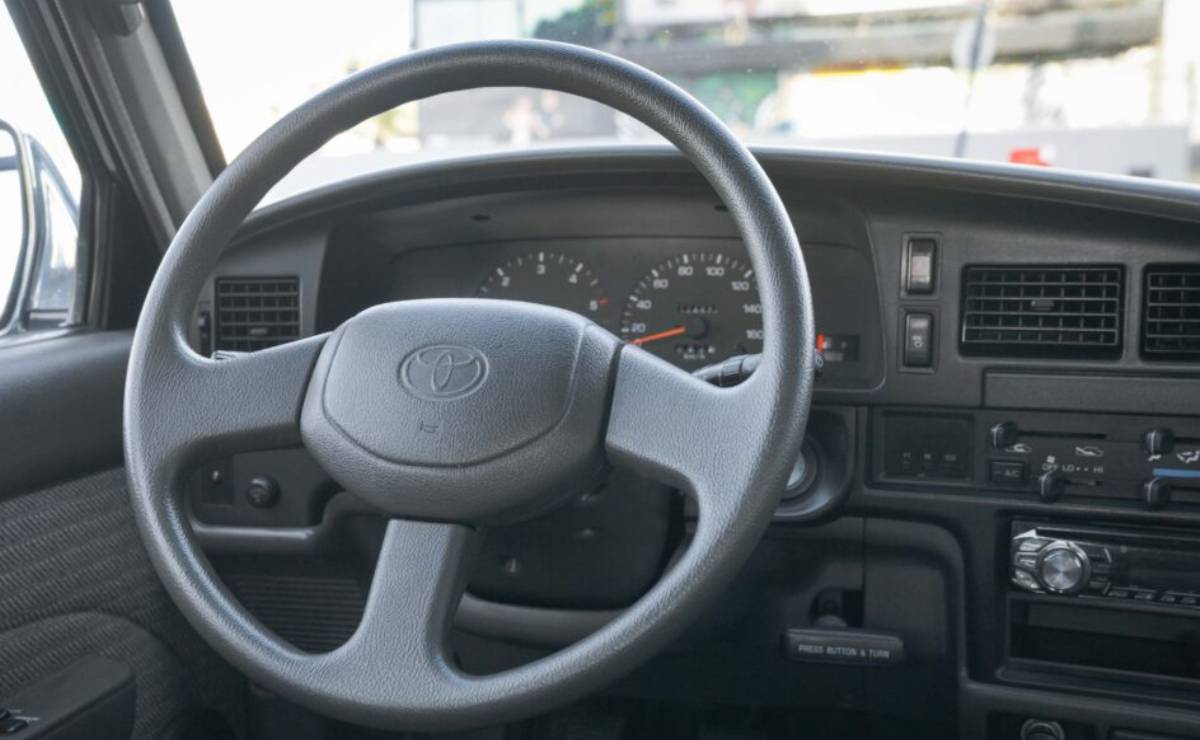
(74, 581)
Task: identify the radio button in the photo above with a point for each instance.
(1032, 544)
(1189, 599)
(1118, 593)
(1169, 597)
(1143, 595)
(1025, 580)
(1025, 560)
(1097, 585)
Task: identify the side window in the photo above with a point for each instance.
(39, 201)
(12, 217)
(54, 274)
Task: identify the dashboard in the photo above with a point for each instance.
(690, 298)
(1010, 358)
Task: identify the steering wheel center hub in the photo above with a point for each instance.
(422, 392)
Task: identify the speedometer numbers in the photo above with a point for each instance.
(695, 309)
(691, 310)
(550, 278)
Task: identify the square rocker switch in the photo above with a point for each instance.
(919, 268)
(918, 340)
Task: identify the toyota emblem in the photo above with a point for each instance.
(443, 372)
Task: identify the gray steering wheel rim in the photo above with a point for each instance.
(768, 426)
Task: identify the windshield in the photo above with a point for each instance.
(1109, 86)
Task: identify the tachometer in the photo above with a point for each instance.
(551, 278)
(695, 309)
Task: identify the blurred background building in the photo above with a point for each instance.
(1109, 86)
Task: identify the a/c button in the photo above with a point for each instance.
(1007, 472)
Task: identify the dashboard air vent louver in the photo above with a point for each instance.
(1171, 313)
(1042, 311)
(256, 312)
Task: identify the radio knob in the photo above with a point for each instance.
(1004, 435)
(1051, 486)
(1063, 568)
(1036, 729)
(1159, 441)
(1156, 493)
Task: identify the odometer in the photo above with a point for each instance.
(551, 278)
(695, 309)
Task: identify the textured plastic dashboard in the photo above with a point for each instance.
(439, 230)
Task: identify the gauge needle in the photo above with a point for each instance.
(672, 332)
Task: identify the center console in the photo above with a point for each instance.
(1089, 590)
(1113, 605)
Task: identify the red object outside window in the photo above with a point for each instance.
(1028, 155)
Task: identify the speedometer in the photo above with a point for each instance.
(695, 309)
(551, 278)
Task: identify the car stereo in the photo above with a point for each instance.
(1142, 566)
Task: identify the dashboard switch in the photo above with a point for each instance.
(263, 492)
(918, 340)
(1156, 493)
(1007, 472)
(1051, 486)
(1159, 441)
(1004, 435)
(919, 266)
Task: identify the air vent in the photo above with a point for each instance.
(256, 313)
(1171, 315)
(1042, 311)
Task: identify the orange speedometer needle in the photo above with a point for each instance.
(672, 332)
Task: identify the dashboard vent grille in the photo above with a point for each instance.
(256, 313)
(1171, 315)
(1042, 311)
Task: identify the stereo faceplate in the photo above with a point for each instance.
(1146, 567)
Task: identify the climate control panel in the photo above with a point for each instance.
(1148, 462)
(1054, 456)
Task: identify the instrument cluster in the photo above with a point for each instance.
(693, 301)
(692, 309)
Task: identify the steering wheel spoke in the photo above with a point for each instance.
(674, 428)
(203, 409)
(419, 579)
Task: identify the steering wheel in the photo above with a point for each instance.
(450, 415)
